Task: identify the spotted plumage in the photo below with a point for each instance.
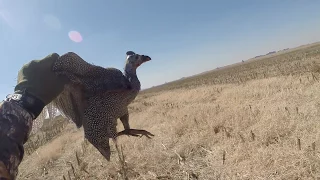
(98, 98)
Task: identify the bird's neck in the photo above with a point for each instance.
(131, 74)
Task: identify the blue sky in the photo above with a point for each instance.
(183, 37)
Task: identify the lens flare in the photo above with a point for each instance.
(75, 36)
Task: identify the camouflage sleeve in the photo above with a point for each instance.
(15, 127)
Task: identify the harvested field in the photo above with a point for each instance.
(253, 120)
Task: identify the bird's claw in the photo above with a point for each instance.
(136, 133)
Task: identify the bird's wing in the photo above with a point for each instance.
(110, 80)
(79, 71)
(71, 103)
(86, 80)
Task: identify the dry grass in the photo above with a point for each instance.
(263, 128)
(297, 61)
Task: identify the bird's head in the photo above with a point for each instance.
(135, 60)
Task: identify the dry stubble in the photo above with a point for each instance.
(243, 130)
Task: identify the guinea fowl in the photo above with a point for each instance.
(96, 100)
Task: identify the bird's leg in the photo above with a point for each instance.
(125, 120)
(131, 132)
(135, 132)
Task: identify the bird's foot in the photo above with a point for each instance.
(135, 132)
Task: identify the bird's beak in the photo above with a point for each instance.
(146, 58)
